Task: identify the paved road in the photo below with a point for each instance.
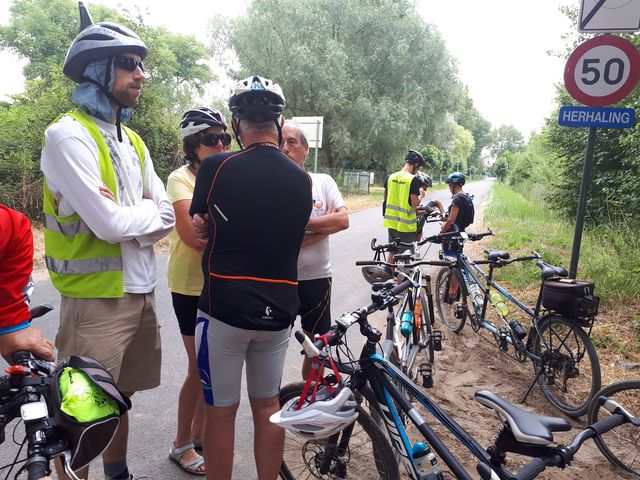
(153, 417)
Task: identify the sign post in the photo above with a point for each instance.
(312, 128)
(599, 72)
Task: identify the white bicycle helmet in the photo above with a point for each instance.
(328, 414)
(257, 99)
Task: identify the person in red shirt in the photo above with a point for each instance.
(16, 264)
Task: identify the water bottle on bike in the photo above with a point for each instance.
(503, 310)
(406, 325)
(425, 462)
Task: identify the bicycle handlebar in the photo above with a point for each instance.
(435, 263)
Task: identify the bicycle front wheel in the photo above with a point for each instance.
(364, 451)
(568, 368)
(451, 299)
(621, 446)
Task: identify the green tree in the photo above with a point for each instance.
(501, 167)
(432, 158)
(507, 138)
(379, 75)
(462, 148)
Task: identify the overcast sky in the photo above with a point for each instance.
(500, 46)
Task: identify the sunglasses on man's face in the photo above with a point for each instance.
(127, 63)
(211, 139)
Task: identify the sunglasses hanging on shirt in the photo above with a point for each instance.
(211, 139)
(127, 63)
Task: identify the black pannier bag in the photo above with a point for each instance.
(573, 298)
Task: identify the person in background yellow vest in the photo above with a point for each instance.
(104, 208)
(401, 197)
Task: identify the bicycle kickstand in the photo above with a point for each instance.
(524, 399)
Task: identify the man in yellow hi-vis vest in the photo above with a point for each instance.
(104, 208)
(401, 197)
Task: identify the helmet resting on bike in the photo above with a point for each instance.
(377, 273)
(87, 407)
(456, 178)
(414, 158)
(101, 40)
(424, 179)
(328, 414)
(199, 119)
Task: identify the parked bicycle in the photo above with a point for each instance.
(410, 328)
(360, 449)
(564, 359)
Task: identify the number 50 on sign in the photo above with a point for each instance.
(602, 71)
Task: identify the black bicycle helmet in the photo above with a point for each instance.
(414, 158)
(97, 41)
(257, 99)
(456, 178)
(424, 179)
(200, 119)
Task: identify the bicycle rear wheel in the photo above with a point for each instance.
(621, 446)
(451, 299)
(569, 370)
(367, 455)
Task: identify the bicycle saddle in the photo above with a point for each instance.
(403, 256)
(526, 427)
(493, 255)
(549, 270)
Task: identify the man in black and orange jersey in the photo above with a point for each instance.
(249, 299)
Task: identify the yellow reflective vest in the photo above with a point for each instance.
(80, 264)
(399, 214)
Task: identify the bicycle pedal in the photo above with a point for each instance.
(427, 376)
(437, 340)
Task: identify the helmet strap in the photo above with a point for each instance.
(235, 131)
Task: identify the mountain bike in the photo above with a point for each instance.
(361, 450)
(564, 359)
(409, 329)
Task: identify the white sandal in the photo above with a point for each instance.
(191, 467)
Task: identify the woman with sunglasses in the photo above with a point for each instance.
(203, 133)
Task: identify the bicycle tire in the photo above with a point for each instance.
(451, 306)
(374, 454)
(422, 340)
(568, 380)
(621, 446)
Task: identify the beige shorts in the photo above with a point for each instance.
(122, 333)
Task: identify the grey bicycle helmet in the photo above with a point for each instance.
(414, 158)
(424, 179)
(100, 40)
(199, 119)
(456, 178)
(377, 273)
(328, 414)
(257, 99)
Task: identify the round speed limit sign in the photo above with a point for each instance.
(602, 71)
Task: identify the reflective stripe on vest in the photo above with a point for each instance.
(398, 214)
(80, 264)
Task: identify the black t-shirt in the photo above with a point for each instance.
(250, 263)
(466, 211)
(414, 189)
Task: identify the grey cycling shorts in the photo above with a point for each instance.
(222, 350)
